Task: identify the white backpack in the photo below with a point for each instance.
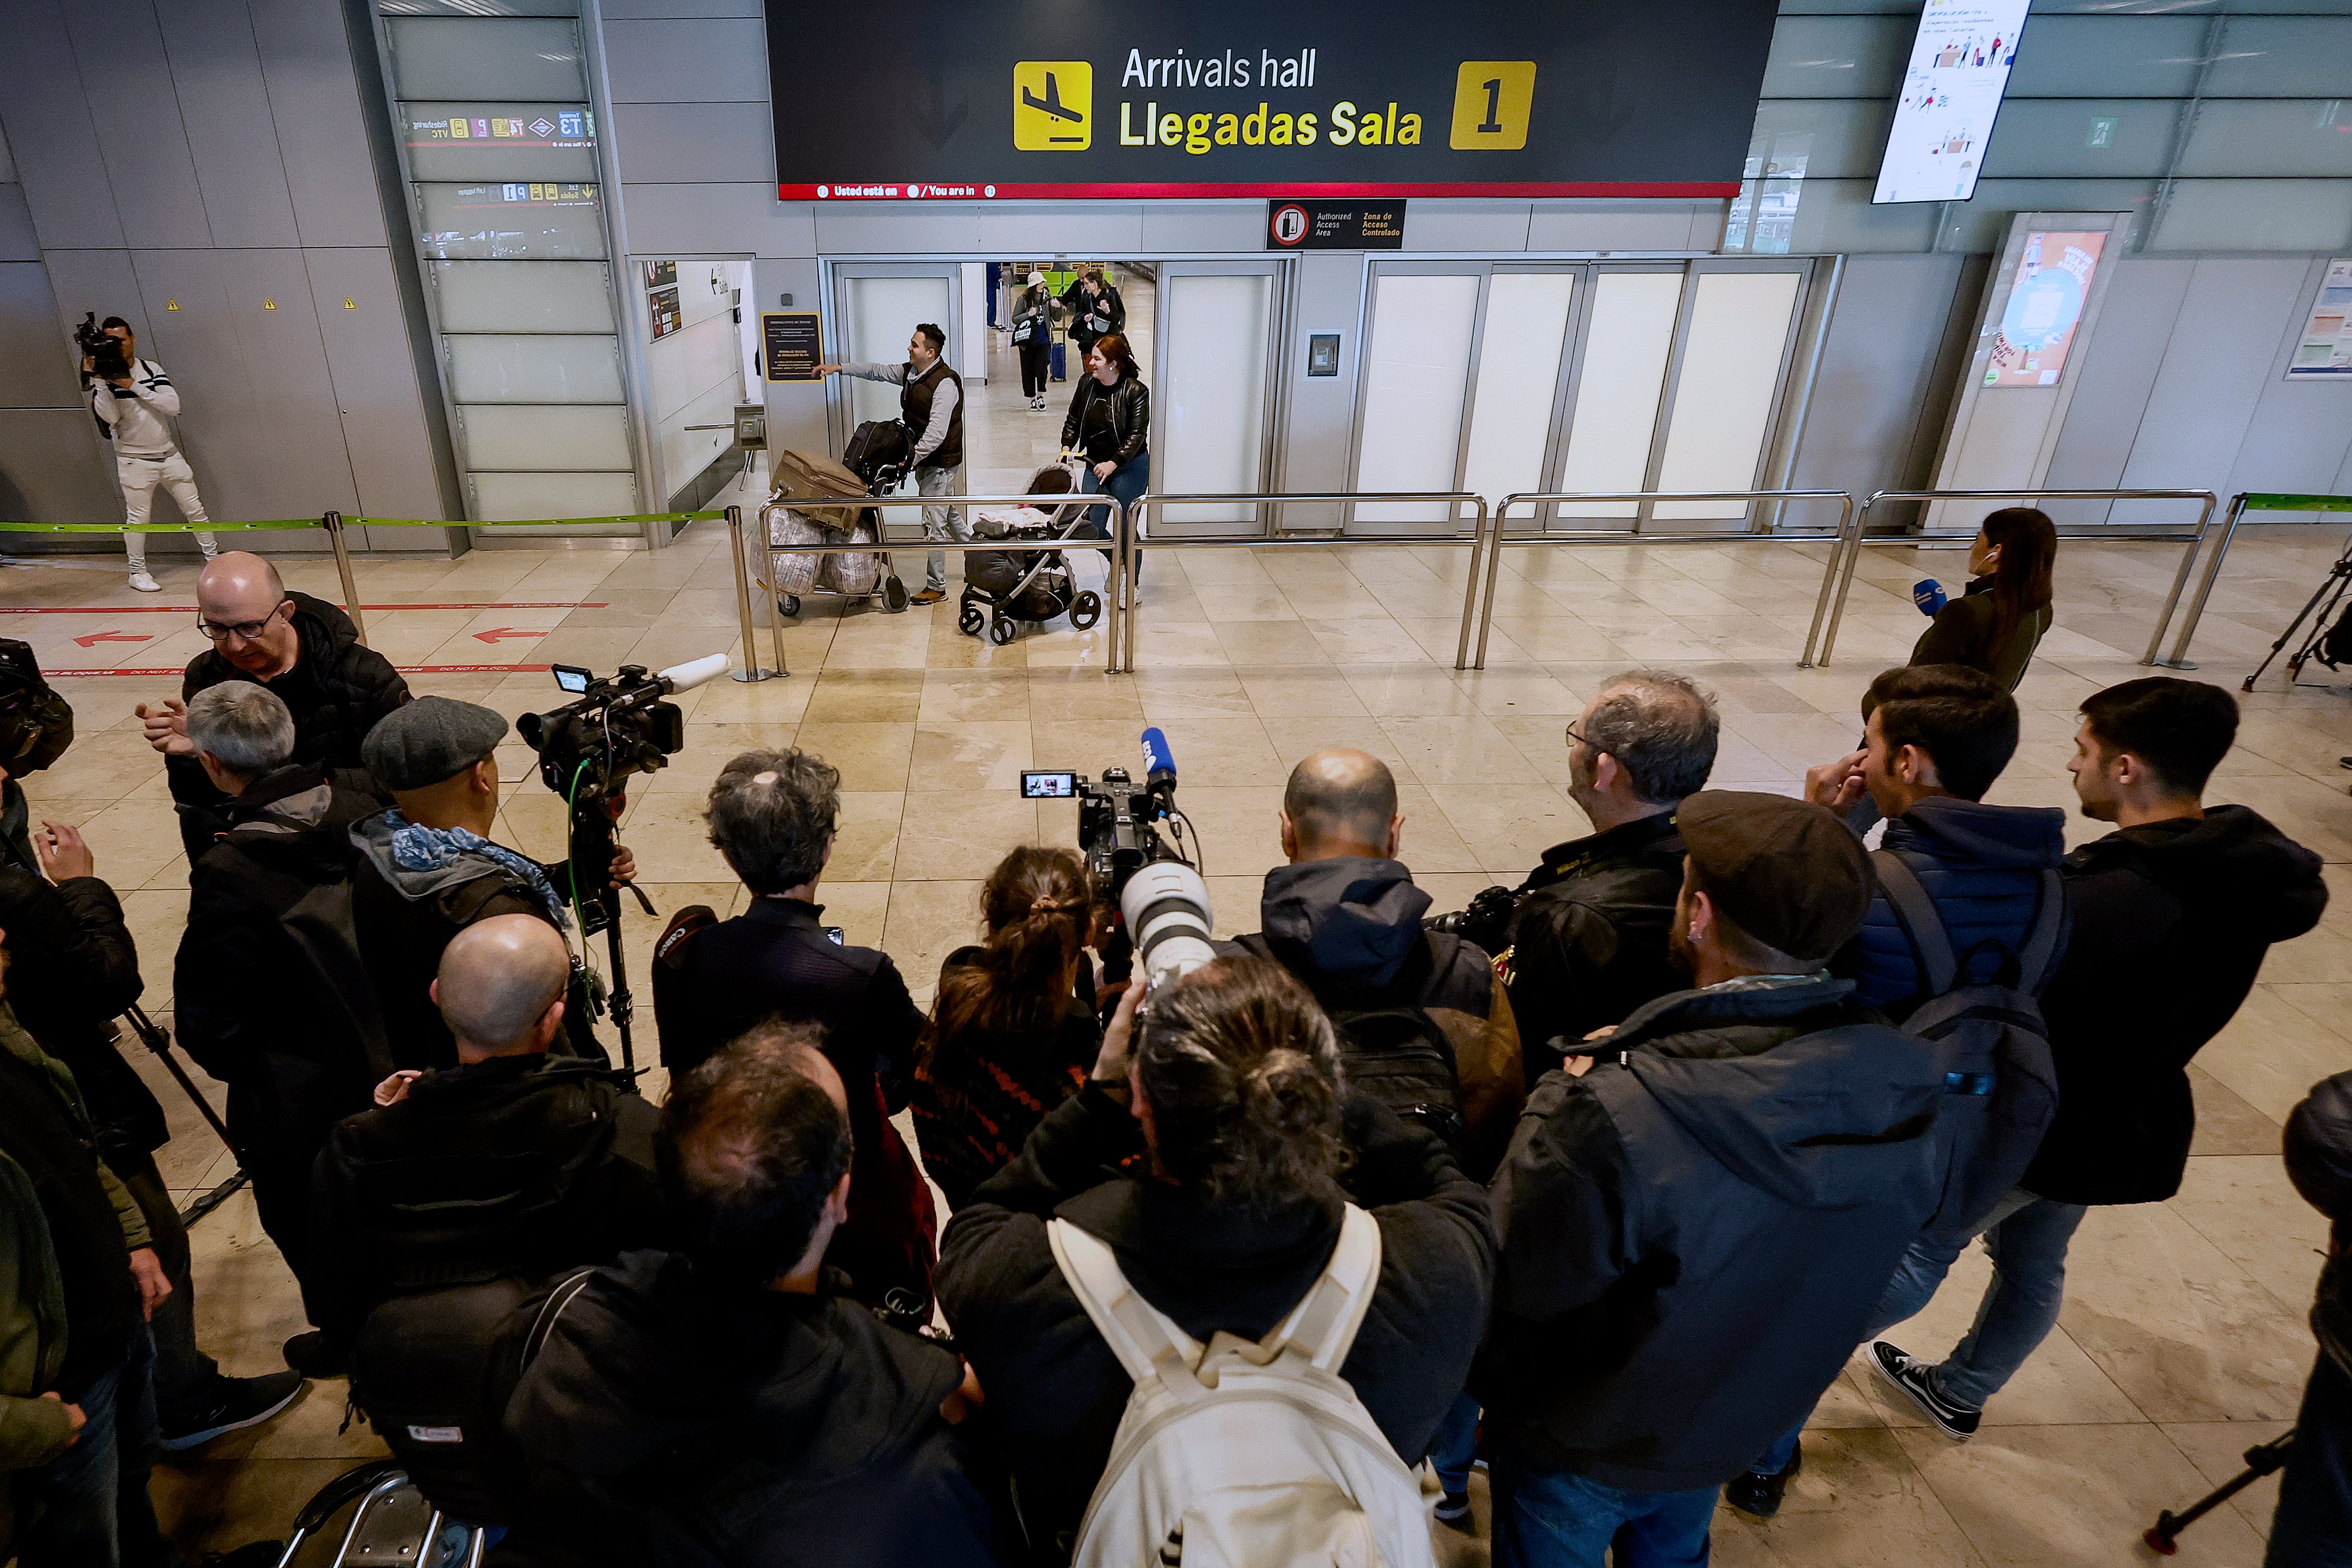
(1245, 1453)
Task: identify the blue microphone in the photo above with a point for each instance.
(1159, 763)
(1929, 595)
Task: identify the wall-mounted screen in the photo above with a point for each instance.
(1951, 91)
(2045, 307)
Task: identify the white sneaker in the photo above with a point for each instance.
(144, 584)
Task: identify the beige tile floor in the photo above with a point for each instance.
(2182, 1341)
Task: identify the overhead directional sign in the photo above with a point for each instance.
(1237, 98)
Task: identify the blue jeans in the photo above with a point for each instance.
(2313, 1527)
(2027, 1237)
(1126, 483)
(94, 1512)
(1552, 1519)
(1455, 1449)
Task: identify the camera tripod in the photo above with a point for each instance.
(2333, 588)
(2261, 1459)
(158, 1040)
(597, 900)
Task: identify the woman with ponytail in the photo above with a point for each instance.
(1013, 1030)
(1998, 622)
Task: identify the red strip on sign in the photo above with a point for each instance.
(403, 669)
(934, 190)
(191, 609)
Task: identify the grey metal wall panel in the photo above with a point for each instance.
(306, 58)
(699, 220)
(17, 241)
(1093, 228)
(1878, 361)
(2301, 435)
(225, 106)
(1486, 227)
(293, 396)
(1192, 228)
(100, 280)
(147, 159)
(796, 410)
(869, 228)
(697, 143)
(670, 10)
(51, 132)
(1611, 225)
(377, 400)
(8, 162)
(693, 61)
(2115, 372)
(36, 371)
(49, 471)
(1330, 299)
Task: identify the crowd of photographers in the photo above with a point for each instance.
(1598, 1184)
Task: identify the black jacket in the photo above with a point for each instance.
(743, 1428)
(1962, 633)
(1982, 867)
(1694, 1240)
(2319, 1162)
(1085, 307)
(1354, 922)
(1055, 1390)
(1588, 943)
(517, 1166)
(336, 691)
(775, 961)
(73, 970)
(978, 1092)
(1108, 422)
(2171, 921)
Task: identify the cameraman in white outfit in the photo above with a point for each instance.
(134, 412)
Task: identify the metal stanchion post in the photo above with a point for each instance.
(2179, 660)
(333, 523)
(1847, 541)
(1477, 541)
(1131, 576)
(751, 670)
(1116, 623)
(1844, 578)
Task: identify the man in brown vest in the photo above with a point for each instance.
(930, 402)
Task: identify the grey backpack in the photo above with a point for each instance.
(2001, 1087)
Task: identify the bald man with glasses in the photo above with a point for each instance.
(304, 649)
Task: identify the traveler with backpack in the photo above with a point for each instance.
(728, 1404)
(1586, 941)
(1213, 1183)
(1965, 930)
(1095, 308)
(1424, 1026)
(2314, 1520)
(2172, 914)
(1014, 1032)
(1698, 1218)
(1032, 338)
(930, 405)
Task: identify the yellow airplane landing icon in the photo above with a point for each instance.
(1053, 106)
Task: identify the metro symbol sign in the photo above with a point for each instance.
(541, 128)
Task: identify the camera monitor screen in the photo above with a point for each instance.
(571, 678)
(1049, 785)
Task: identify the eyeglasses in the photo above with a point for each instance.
(247, 630)
(1577, 736)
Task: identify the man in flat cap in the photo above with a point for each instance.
(429, 870)
(1698, 1218)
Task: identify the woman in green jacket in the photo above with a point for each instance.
(1998, 622)
(35, 1427)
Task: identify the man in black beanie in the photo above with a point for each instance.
(1698, 1218)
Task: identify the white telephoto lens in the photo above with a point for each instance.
(1167, 910)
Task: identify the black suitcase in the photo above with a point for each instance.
(873, 446)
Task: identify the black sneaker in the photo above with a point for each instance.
(235, 1403)
(1909, 1373)
(1758, 1492)
(1454, 1513)
(314, 1355)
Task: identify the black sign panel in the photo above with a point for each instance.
(793, 343)
(1235, 98)
(1313, 224)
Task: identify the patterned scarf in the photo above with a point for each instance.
(418, 848)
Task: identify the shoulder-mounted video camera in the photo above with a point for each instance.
(107, 361)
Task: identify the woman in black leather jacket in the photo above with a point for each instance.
(1109, 424)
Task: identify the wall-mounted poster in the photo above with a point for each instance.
(2046, 306)
(2325, 346)
(1959, 66)
(661, 304)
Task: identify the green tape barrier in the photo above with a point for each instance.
(155, 527)
(535, 521)
(2298, 503)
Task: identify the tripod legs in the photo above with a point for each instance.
(2163, 1536)
(2332, 589)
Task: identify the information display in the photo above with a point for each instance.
(793, 343)
(1951, 91)
(2325, 346)
(1233, 98)
(2046, 306)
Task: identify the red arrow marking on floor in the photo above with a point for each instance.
(497, 633)
(191, 609)
(96, 637)
(403, 669)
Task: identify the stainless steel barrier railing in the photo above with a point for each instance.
(1848, 555)
(1501, 542)
(887, 547)
(1131, 541)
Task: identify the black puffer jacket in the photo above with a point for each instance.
(72, 970)
(2171, 922)
(1587, 945)
(1694, 1240)
(2319, 1162)
(1982, 867)
(737, 1427)
(1055, 1390)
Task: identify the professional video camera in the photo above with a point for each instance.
(587, 752)
(35, 723)
(1486, 923)
(104, 351)
(1133, 836)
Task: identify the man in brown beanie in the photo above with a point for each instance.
(1698, 1218)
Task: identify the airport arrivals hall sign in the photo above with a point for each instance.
(981, 99)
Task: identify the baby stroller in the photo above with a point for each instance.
(873, 464)
(1001, 588)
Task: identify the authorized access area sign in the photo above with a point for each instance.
(1031, 99)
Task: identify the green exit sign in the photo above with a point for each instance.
(2103, 133)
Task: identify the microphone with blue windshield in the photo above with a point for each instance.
(1159, 765)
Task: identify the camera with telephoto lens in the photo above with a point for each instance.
(1487, 923)
(107, 360)
(36, 725)
(1131, 835)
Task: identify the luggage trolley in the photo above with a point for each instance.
(877, 457)
(1030, 580)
